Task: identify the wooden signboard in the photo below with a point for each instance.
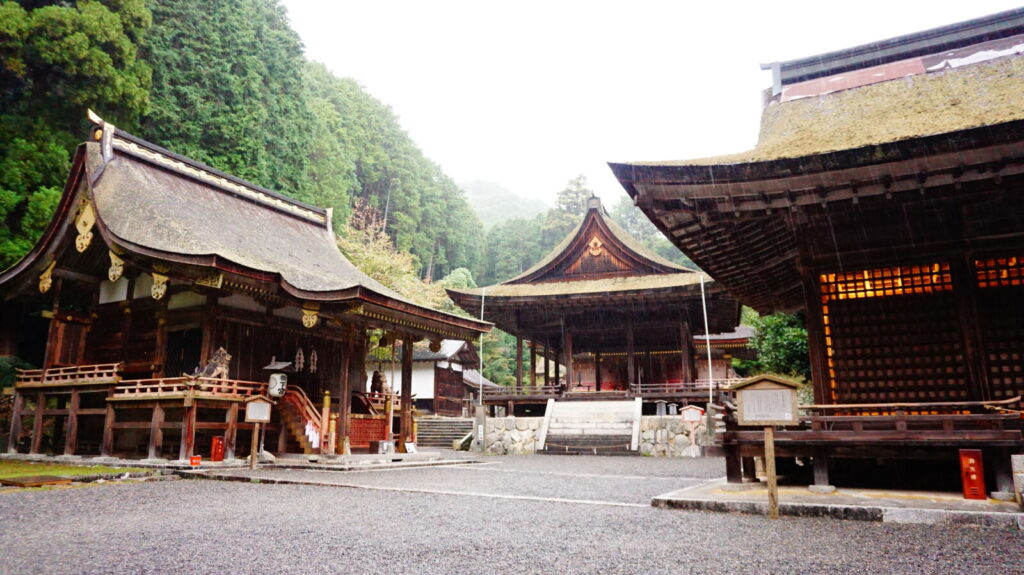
(257, 412)
(767, 401)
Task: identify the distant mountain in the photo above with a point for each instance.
(494, 204)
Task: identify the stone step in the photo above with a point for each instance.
(588, 445)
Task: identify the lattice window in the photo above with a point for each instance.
(999, 272)
(884, 282)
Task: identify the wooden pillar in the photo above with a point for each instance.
(533, 364)
(71, 433)
(405, 424)
(52, 351)
(107, 447)
(733, 464)
(519, 363)
(569, 372)
(208, 324)
(821, 469)
(37, 423)
(816, 349)
(749, 469)
(188, 430)
(16, 409)
(688, 372)
(597, 371)
(231, 433)
(965, 287)
(156, 431)
(630, 353)
(345, 399)
(547, 367)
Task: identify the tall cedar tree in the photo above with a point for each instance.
(56, 60)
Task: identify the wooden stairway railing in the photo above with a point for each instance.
(308, 425)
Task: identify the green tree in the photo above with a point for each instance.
(570, 205)
(57, 59)
(781, 343)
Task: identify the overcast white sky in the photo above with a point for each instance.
(529, 94)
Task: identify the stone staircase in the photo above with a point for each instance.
(439, 432)
(591, 428)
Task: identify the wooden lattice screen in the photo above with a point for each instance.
(891, 334)
(1001, 309)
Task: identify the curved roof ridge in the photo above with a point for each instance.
(596, 213)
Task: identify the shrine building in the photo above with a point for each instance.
(884, 199)
(154, 265)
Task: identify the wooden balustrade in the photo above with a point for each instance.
(177, 387)
(97, 374)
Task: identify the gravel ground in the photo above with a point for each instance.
(610, 479)
(225, 527)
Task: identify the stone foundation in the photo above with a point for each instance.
(669, 436)
(512, 435)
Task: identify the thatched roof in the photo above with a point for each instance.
(849, 169)
(906, 108)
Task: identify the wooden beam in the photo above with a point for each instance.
(71, 433)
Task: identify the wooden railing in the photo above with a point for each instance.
(674, 387)
(526, 390)
(98, 374)
(173, 387)
(945, 416)
(379, 401)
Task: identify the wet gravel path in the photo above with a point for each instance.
(225, 527)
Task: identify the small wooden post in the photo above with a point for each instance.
(769, 466)
(254, 447)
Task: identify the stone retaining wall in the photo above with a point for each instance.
(668, 436)
(665, 436)
(512, 435)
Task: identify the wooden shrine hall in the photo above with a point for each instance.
(615, 320)
(885, 198)
(154, 265)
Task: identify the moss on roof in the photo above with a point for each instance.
(939, 102)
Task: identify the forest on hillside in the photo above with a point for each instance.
(225, 83)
